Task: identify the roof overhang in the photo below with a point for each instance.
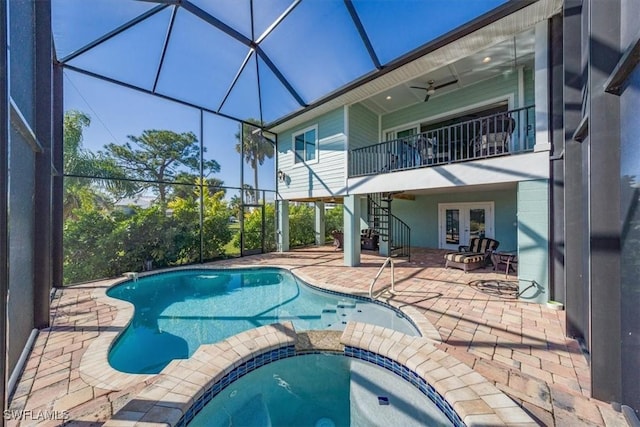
(494, 27)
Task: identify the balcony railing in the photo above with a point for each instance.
(507, 133)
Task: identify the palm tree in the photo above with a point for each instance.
(84, 169)
(254, 147)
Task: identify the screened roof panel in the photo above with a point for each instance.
(277, 101)
(318, 49)
(242, 100)
(132, 56)
(307, 51)
(266, 13)
(79, 22)
(234, 13)
(414, 22)
(200, 63)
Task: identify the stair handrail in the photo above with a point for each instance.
(387, 261)
(405, 243)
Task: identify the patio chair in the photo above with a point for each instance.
(476, 255)
(369, 239)
(425, 148)
(338, 239)
(495, 136)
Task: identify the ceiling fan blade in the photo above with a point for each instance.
(418, 87)
(426, 98)
(452, 82)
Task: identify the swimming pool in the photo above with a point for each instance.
(178, 311)
(320, 390)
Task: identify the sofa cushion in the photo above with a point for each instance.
(464, 257)
(482, 245)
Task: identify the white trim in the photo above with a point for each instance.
(521, 103)
(510, 98)
(293, 146)
(394, 133)
(521, 95)
(345, 147)
(541, 85)
(464, 208)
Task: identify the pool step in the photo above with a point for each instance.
(345, 310)
(329, 316)
(337, 316)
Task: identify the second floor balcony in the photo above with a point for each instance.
(507, 133)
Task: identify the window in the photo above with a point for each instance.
(397, 134)
(306, 145)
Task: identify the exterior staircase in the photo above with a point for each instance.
(389, 227)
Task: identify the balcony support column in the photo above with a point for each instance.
(351, 228)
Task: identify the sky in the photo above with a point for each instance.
(316, 48)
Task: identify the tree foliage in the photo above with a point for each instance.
(253, 229)
(103, 238)
(159, 156)
(215, 224)
(95, 177)
(333, 220)
(254, 148)
(302, 225)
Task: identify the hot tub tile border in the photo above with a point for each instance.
(235, 374)
(411, 377)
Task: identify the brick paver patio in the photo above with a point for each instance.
(518, 346)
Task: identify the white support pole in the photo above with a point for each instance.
(541, 87)
(351, 231)
(283, 225)
(320, 227)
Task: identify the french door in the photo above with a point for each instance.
(459, 222)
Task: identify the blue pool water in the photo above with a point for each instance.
(176, 312)
(320, 390)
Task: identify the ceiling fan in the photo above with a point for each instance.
(431, 89)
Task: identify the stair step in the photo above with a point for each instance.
(345, 304)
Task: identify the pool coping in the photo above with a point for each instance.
(183, 383)
(96, 370)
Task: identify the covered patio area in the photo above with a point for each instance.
(519, 347)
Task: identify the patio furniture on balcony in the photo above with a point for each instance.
(495, 136)
(476, 255)
(507, 132)
(426, 149)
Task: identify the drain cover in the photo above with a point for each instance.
(383, 400)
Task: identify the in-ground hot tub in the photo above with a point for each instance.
(320, 390)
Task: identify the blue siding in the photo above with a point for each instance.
(421, 215)
(363, 127)
(327, 175)
(533, 238)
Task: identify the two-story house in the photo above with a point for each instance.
(444, 144)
